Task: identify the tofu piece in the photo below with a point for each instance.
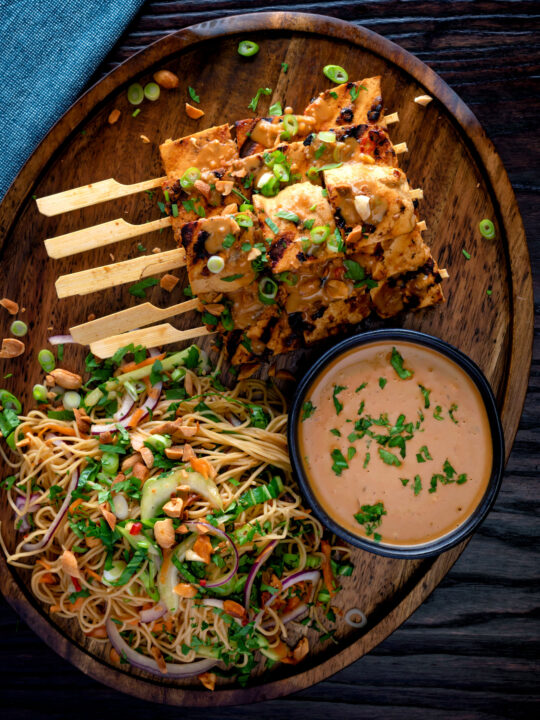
(410, 291)
(255, 135)
(290, 244)
(212, 236)
(210, 151)
(336, 106)
(335, 318)
(317, 284)
(370, 203)
(360, 143)
(394, 256)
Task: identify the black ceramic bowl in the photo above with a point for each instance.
(434, 547)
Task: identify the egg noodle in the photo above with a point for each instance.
(217, 589)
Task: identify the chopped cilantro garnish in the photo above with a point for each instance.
(308, 408)
(437, 413)
(138, 289)
(337, 404)
(339, 464)
(382, 382)
(388, 457)
(396, 360)
(426, 393)
(370, 516)
(193, 95)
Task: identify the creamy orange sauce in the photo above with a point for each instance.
(458, 443)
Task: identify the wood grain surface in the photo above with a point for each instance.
(487, 672)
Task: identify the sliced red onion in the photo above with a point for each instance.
(192, 525)
(312, 576)
(350, 614)
(152, 614)
(213, 602)
(174, 670)
(125, 406)
(233, 419)
(28, 547)
(61, 339)
(149, 404)
(56, 441)
(263, 557)
(153, 352)
(20, 502)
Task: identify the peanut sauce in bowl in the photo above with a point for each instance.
(396, 443)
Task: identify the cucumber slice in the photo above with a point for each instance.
(168, 578)
(158, 490)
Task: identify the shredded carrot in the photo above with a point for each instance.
(327, 568)
(97, 632)
(114, 656)
(77, 604)
(132, 621)
(162, 625)
(128, 367)
(165, 566)
(62, 430)
(55, 608)
(137, 415)
(201, 466)
(47, 579)
(93, 574)
(45, 564)
(146, 381)
(74, 505)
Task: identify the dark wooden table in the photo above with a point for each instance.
(471, 651)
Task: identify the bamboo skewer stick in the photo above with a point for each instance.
(417, 194)
(107, 276)
(99, 235)
(91, 195)
(125, 320)
(401, 148)
(155, 336)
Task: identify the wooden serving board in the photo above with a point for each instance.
(449, 157)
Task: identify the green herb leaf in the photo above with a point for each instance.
(361, 387)
(382, 382)
(335, 432)
(272, 225)
(255, 100)
(426, 393)
(370, 516)
(308, 408)
(437, 413)
(396, 360)
(453, 408)
(339, 464)
(337, 404)
(417, 484)
(388, 457)
(229, 240)
(193, 95)
(288, 215)
(275, 109)
(232, 278)
(138, 289)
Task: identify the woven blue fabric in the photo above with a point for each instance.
(49, 50)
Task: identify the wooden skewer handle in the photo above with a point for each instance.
(107, 276)
(125, 320)
(392, 118)
(155, 336)
(91, 195)
(99, 235)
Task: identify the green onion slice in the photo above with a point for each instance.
(487, 229)
(319, 234)
(189, 177)
(267, 290)
(327, 136)
(281, 172)
(334, 243)
(275, 109)
(243, 220)
(40, 393)
(19, 328)
(247, 48)
(290, 124)
(215, 264)
(336, 74)
(9, 401)
(46, 360)
(152, 91)
(270, 187)
(135, 94)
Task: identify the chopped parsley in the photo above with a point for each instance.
(335, 432)
(437, 413)
(193, 95)
(339, 464)
(308, 408)
(423, 454)
(382, 382)
(396, 360)
(232, 278)
(284, 67)
(255, 100)
(337, 404)
(370, 516)
(229, 240)
(288, 215)
(453, 408)
(426, 393)
(388, 457)
(272, 225)
(466, 254)
(361, 387)
(138, 289)
(417, 484)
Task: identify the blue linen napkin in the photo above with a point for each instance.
(49, 49)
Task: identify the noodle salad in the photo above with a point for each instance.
(157, 508)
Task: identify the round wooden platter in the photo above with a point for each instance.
(449, 157)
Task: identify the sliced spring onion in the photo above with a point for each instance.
(275, 109)
(189, 177)
(8, 400)
(267, 290)
(288, 215)
(110, 462)
(281, 172)
(327, 136)
(135, 94)
(46, 360)
(270, 187)
(336, 74)
(19, 328)
(247, 48)
(487, 229)
(71, 399)
(246, 207)
(243, 220)
(290, 124)
(93, 397)
(152, 91)
(112, 575)
(334, 243)
(319, 234)
(215, 264)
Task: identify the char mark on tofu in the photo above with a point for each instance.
(375, 113)
(410, 291)
(256, 135)
(350, 103)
